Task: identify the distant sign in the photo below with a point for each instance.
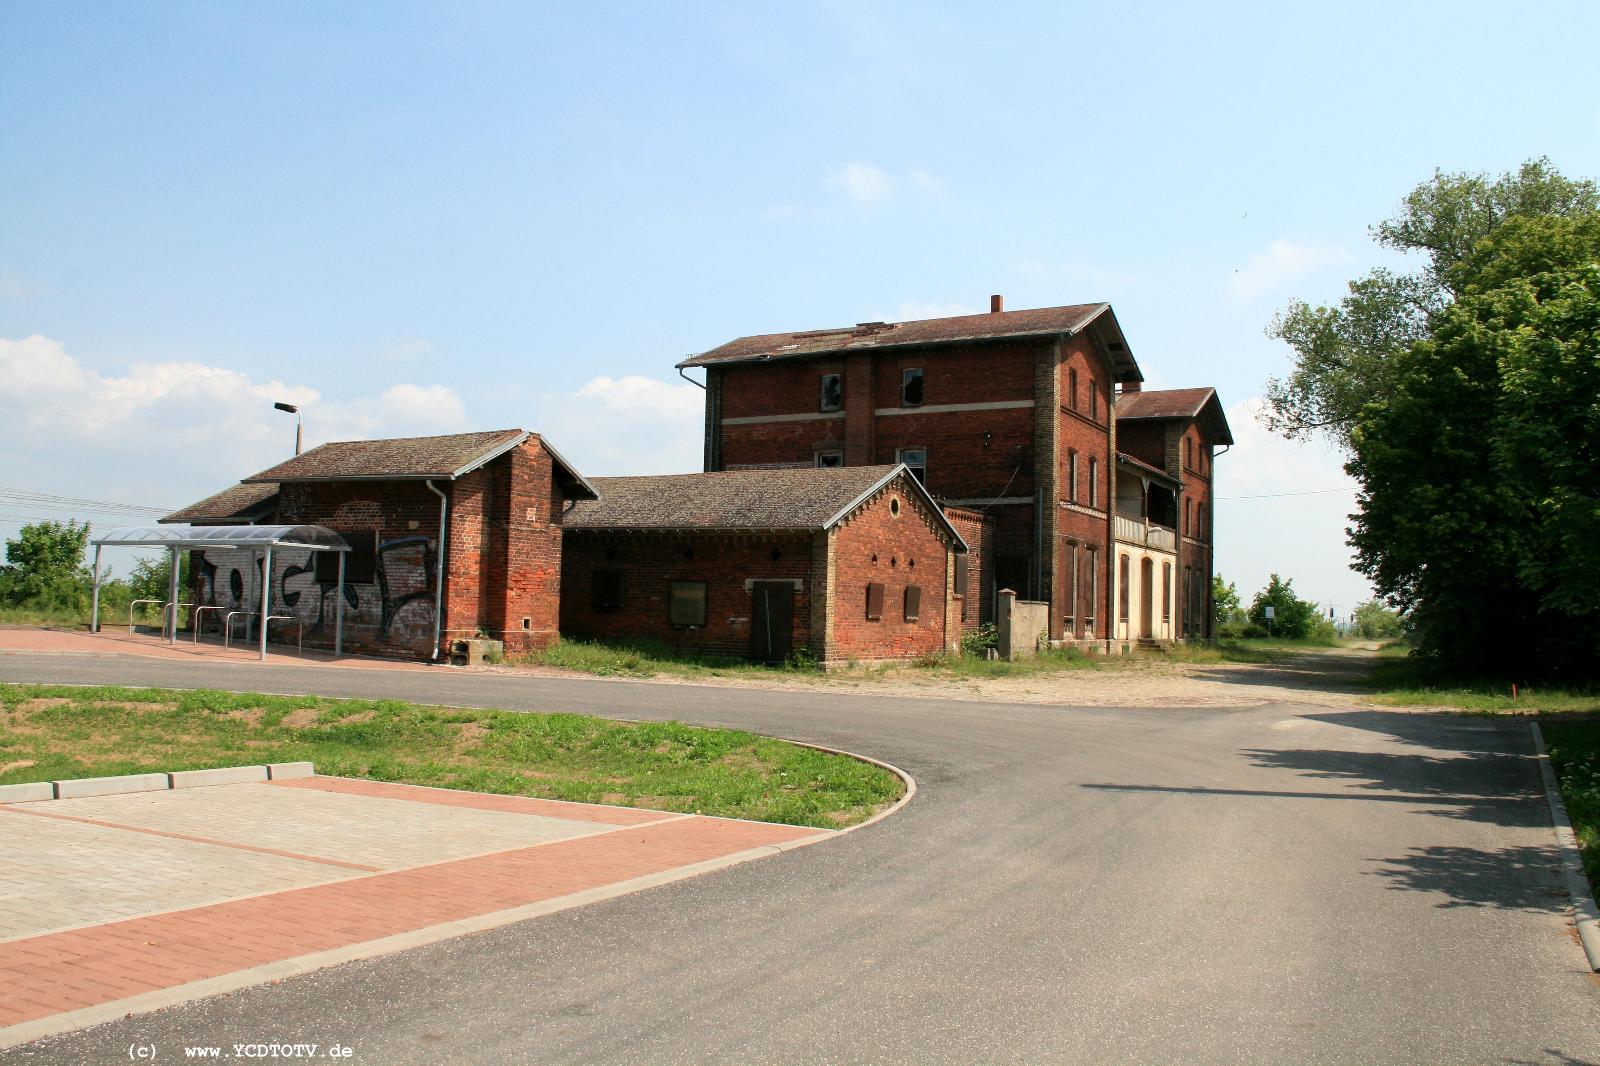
(1271, 611)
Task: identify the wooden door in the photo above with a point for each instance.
(771, 621)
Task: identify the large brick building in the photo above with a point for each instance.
(856, 563)
(494, 501)
(1014, 415)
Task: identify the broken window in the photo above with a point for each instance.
(686, 604)
(916, 460)
(911, 388)
(830, 457)
(832, 392)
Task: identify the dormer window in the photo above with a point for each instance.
(911, 388)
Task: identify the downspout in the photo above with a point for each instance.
(438, 580)
(690, 380)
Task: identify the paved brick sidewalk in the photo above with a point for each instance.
(125, 903)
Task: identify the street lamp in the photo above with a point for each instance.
(293, 410)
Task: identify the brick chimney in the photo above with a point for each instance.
(997, 303)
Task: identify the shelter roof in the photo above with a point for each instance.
(317, 538)
(997, 325)
(802, 499)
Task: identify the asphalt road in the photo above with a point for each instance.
(1268, 885)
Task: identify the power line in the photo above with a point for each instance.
(51, 501)
(1276, 495)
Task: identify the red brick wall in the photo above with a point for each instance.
(650, 562)
(875, 545)
(977, 529)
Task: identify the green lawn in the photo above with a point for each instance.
(1575, 751)
(52, 732)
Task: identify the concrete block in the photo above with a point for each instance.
(288, 771)
(27, 792)
(225, 775)
(110, 786)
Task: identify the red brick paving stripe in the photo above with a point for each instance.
(193, 839)
(548, 808)
(80, 968)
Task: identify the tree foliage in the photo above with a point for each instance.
(1374, 621)
(1224, 601)
(1345, 356)
(1480, 468)
(1292, 617)
(44, 565)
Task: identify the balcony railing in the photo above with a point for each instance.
(1136, 531)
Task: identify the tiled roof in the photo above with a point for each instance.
(1177, 403)
(397, 458)
(1038, 321)
(234, 504)
(1140, 464)
(800, 499)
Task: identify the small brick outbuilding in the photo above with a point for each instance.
(496, 499)
(849, 563)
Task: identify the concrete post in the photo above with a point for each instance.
(1003, 622)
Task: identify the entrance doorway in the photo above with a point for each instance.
(771, 621)
(1147, 582)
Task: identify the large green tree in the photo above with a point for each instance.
(44, 564)
(1344, 356)
(1292, 617)
(1479, 511)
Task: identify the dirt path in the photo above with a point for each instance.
(1331, 678)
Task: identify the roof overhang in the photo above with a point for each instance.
(918, 489)
(313, 538)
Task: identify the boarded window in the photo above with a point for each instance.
(1092, 608)
(874, 601)
(360, 562)
(1094, 399)
(832, 393)
(1166, 592)
(1072, 388)
(686, 606)
(911, 388)
(605, 590)
(963, 565)
(913, 602)
(1069, 624)
(1094, 482)
(1072, 476)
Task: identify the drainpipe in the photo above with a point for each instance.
(689, 379)
(438, 581)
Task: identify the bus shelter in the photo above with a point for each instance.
(260, 541)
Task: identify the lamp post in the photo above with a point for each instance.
(293, 410)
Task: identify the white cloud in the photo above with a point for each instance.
(1289, 526)
(865, 183)
(1281, 261)
(627, 425)
(166, 434)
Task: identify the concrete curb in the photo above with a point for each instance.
(1585, 914)
(87, 787)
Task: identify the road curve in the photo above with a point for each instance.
(1279, 884)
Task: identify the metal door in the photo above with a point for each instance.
(771, 621)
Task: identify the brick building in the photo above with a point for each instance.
(494, 500)
(1010, 415)
(856, 563)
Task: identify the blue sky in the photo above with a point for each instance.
(422, 218)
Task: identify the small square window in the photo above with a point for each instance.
(605, 590)
(687, 604)
(911, 388)
(830, 458)
(832, 393)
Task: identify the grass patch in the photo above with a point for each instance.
(958, 667)
(55, 732)
(1398, 681)
(1575, 753)
(650, 658)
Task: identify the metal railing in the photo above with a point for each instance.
(199, 618)
(136, 603)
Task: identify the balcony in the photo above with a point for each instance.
(1147, 534)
